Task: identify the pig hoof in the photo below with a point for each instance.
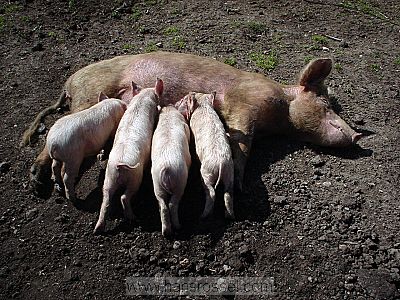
(58, 188)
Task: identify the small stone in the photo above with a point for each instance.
(176, 245)
(327, 183)
(31, 214)
(185, 263)
(281, 200)
(359, 120)
(317, 161)
(309, 278)
(200, 266)
(244, 250)
(226, 268)
(238, 237)
(38, 47)
(343, 44)
(4, 167)
(41, 129)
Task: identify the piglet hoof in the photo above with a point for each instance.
(167, 232)
(58, 188)
(229, 216)
(101, 156)
(99, 229)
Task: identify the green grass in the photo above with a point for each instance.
(363, 7)
(179, 42)
(71, 4)
(375, 67)
(319, 39)
(256, 27)
(127, 46)
(52, 34)
(397, 61)
(338, 67)
(25, 19)
(135, 15)
(11, 8)
(151, 47)
(2, 22)
(266, 62)
(171, 31)
(230, 61)
(307, 59)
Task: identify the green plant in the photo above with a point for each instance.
(179, 42)
(363, 7)
(230, 61)
(397, 60)
(11, 8)
(127, 46)
(150, 2)
(338, 67)
(171, 31)
(319, 39)
(307, 59)
(135, 15)
(2, 22)
(256, 27)
(151, 47)
(71, 4)
(375, 67)
(52, 34)
(266, 62)
(25, 19)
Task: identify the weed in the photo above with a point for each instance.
(2, 22)
(179, 42)
(230, 61)
(397, 61)
(171, 31)
(256, 27)
(364, 7)
(52, 34)
(136, 14)
(151, 47)
(266, 62)
(11, 8)
(25, 19)
(71, 4)
(338, 67)
(150, 2)
(307, 59)
(127, 46)
(319, 39)
(375, 67)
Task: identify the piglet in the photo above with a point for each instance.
(212, 148)
(76, 136)
(130, 152)
(171, 160)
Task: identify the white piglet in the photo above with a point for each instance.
(213, 150)
(130, 152)
(171, 161)
(76, 136)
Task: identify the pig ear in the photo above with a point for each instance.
(102, 96)
(315, 73)
(159, 88)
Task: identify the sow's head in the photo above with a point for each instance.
(311, 112)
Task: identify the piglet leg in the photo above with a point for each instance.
(105, 206)
(210, 195)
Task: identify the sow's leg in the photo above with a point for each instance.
(241, 132)
(40, 177)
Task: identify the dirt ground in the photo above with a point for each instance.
(323, 223)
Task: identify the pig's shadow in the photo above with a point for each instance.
(251, 204)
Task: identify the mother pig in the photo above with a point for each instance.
(249, 103)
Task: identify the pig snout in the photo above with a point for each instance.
(337, 133)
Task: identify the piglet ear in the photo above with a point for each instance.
(135, 89)
(102, 96)
(315, 73)
(159, 87)
(212, 98)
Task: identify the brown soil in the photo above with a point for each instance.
(323, 223)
